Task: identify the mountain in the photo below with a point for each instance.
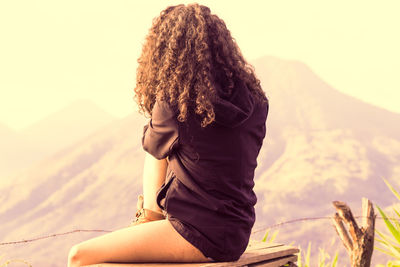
(99, 178)
(5, 131)
(68, 124)
(59, 130)
(7, 139)
(321, 146)
(7, 135)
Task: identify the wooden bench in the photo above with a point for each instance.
(256, 254)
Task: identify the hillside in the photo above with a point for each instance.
(7, 137)
(5, 131)
(90, 185)
(49, 135)
(321, 146)
(12, 157)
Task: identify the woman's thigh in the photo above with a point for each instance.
(155, 241)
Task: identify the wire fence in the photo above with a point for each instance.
(277, 225)
(51, 235)
(260, 229)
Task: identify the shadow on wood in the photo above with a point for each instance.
(257, 254)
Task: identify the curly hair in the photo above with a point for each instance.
(186, 52)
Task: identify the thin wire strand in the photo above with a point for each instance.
(263, 228)
(289, 222)
(52, 235)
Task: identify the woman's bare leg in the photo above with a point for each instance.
(154, 241)
(154, 173)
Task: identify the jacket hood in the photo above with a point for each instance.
(237, 109)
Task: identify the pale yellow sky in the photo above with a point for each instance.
(53, 53)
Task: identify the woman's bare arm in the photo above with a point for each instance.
(154, 173)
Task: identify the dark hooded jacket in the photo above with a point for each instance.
(208, 194)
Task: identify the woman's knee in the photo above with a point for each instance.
(74, 256)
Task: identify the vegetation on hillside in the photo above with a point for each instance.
(390, 242)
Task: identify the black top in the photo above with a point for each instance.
(208, 192)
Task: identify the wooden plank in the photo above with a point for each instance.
(160, 264)
(276, 262)
(256, 253)
(269, 263)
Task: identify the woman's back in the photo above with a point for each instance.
(208, 192)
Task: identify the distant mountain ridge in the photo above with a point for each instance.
(7, 137)
(56, 131)
(321, 145)
(4, 130)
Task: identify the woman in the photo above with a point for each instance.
(208, 115)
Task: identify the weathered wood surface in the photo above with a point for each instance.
(256, 254)
(360, 243)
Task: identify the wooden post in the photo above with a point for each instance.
(360, 243)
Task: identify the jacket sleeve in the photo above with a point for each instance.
(160, 135)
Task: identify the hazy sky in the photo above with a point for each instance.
(54, 52)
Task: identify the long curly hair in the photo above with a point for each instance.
(186, 52)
